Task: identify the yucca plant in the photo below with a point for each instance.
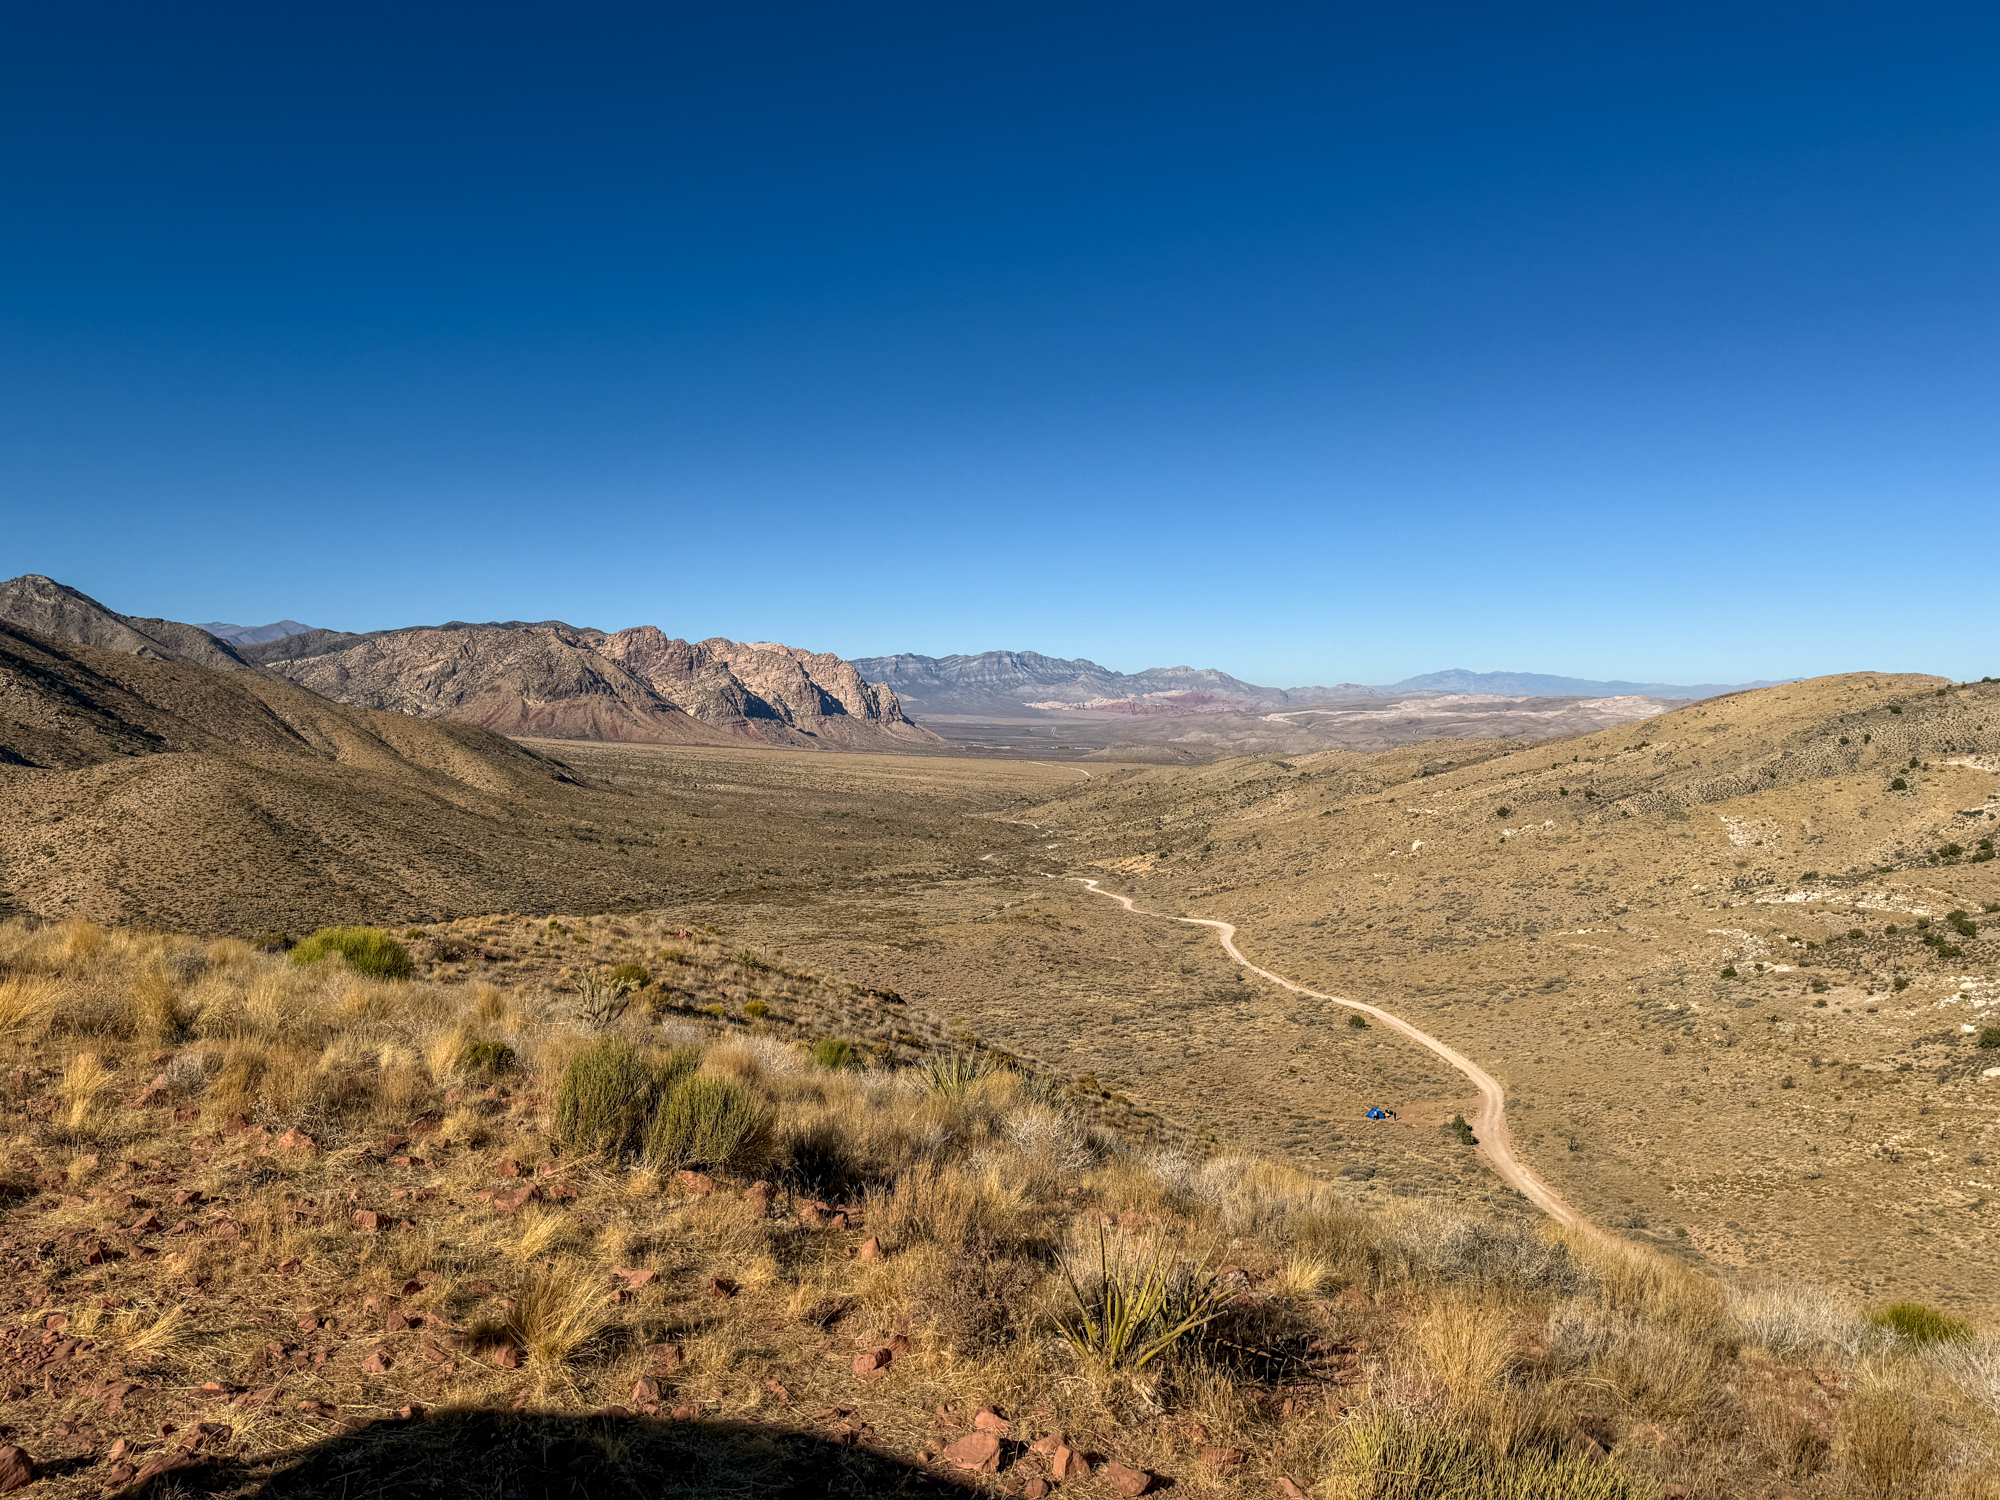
(952, 1076)
(1135, 1310)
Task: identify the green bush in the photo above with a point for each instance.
(487, 1057)
(1899, 785)
(609, 1090)
(1989, 1037)
(1503, 812)
(1729, 971)
(756, 1010)
(1358, 1022)
(366, 950)
(1463, 1131)
(630, 976)
(836, 1052)
(1915, 1323)
(708, 1122)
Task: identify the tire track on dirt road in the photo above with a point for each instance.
(1496, 1146)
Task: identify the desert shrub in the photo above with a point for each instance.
(605, 1096)
(1469, 1347)
(1729, 971)
(1433, 1243)
(756, 1010)
(836, 1052)
(1457, 1127)
(486, 1057)
(631, 976)
(366, 950)
(1989, 1037)
(937, 1205)
(1653, 1369)
(709, 1122)
(1794, 1320)
(1357, 1021)
(1395, 1455)
(270, 940)
(1915, 1323)
(1899, 785)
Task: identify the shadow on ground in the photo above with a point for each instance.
(518, 1456)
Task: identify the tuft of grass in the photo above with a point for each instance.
(708, 1122)
(366, 950)
(1394, 1455)
(836, 1052)
(605, 1097)
(1134, 1308)
(1889, 1442)
(1915, 1323)
(558, 1309)
(26, 1001)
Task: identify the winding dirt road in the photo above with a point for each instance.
(1489, 1125)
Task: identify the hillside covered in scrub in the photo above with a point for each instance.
(317, 1229)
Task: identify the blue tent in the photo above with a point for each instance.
(1376, 1114)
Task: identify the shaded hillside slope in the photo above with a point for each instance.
(33, 602)
(134, 787)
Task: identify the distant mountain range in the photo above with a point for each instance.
(549, 679)
(253, 635)
(1010, 683)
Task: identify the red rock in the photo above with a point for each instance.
(976, 1453)
(295, 1142)
(1048, 1442)
(288, 1265)
(308, 1323)
(508, 1167)
(92, 1252)
(1586, 1447)
(1673, 1492)
(698, 1183)
(411, 1412)
(871, 1362)
(812, 1215)
(186, 1196)
(1035, 1489)
(520, 1198)
(367, 1220)
(16, 1468)
(251, 1400)
(683, 1413)
(507, 1357)
(146, 1223)
(634, 1278)
(1227, 1460)
(378, 1360)
(986, 1419)
(664, 1358)
(719, 1286)
(1067, 1463)
(118, 1450)
(1288, 1490)
(838, 1221)
(1125, 1480)
(645, 1391)
(455, 1095)
(395, 1323)
(871, 1249)
(759, 1195)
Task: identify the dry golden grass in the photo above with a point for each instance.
(1452, 1342)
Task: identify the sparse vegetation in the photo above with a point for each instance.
(1463, 1347)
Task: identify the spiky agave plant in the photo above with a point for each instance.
(1138, 1308)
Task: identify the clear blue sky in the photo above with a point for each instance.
(1316, 343)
